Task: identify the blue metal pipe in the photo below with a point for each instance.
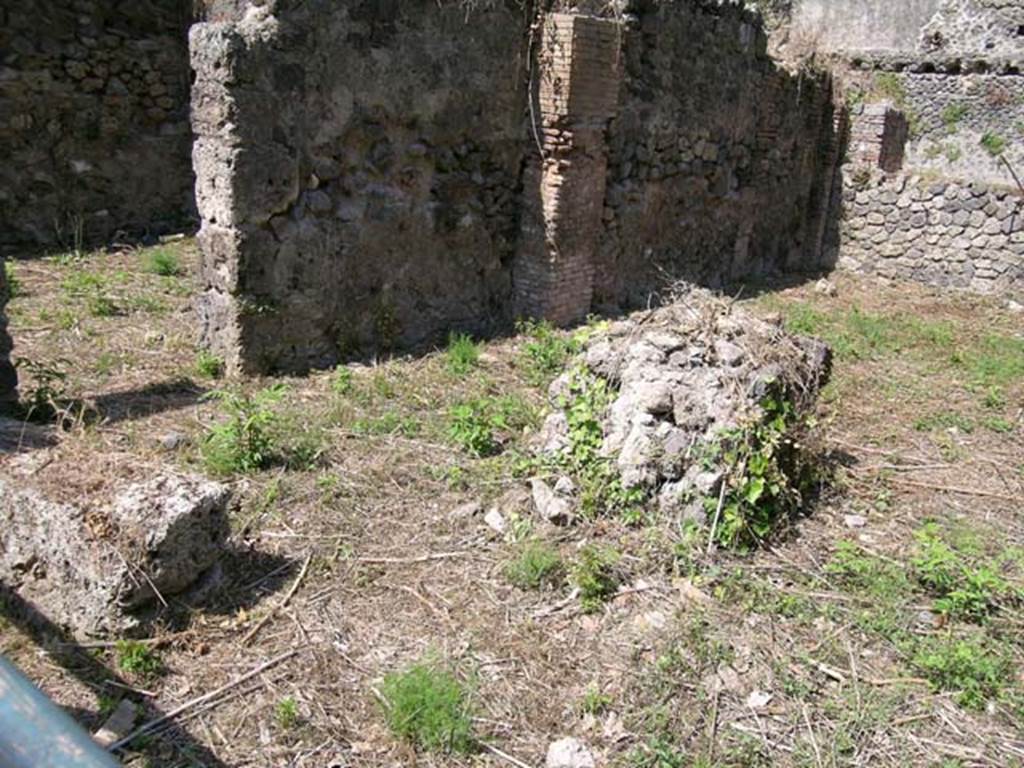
(36, 733)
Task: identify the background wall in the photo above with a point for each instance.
(94, 129)
(363, 166)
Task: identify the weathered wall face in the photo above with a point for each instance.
(358, 176)
(389, 186)
(893, 25)
(939, 232)
(8, 379)
(94, 129)
(720, 161)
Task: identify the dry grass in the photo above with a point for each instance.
(395, 575)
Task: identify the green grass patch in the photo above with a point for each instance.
(209, 365)
(595, 576)
(534, 565)
(462, 354)
(137, 659)
(164, 263)
(11, 285)
(481, 426)
(429, 707)
(243, 442)
(546, 350)
(973, 668)
(994, 143)
(286, 713)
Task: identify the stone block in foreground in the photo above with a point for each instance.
(92, 567)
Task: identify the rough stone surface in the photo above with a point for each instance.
(569, 753)
(8, 376)
(951, 234)
(94, 131)
(685, 374)
(399, 184)
(91, 569)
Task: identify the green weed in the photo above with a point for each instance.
(243, 442)
(944, 420)
(993, 143)
(391, 422)
(11, 286)
(462, 354)
(164, 263)
(953, 115)
(135, 658)
(480, 426)
(209, 365)
(535, 565)
(972, 668)
(429, 707)
(595, 702)
(286, 713)
(547, 351)
(595, 576)
(342, 382)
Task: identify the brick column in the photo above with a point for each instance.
(8, 377)
(878, 137)
(578, 79)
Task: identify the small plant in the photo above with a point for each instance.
(993, 143)
(601, 492)
(953, 153)
(47, 400)
(164, 263)
(479, 426)
(953, 115)
(535, 565)
(244, 442)
(286, 713)
(429, 707)
(342, 381)
(765, 473)
(209, 365)
(971, 668)
(547, 351)
(594, 702)
(10, 287)
(462, 354)
(135, 658)
(594, 575)
(889, 85)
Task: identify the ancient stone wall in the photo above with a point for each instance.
(945, 233)
(399, 183)
(8, 379)
(94, 131)
(720, 160)
(362, 196)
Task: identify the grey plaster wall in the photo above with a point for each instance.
(838, 25)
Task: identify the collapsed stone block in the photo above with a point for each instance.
(684, 376)
(93, 568)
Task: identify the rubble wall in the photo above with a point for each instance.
(399, 183)
(94, 130)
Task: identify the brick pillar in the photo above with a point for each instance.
(578, 78)
(878, 136)
(8, 377)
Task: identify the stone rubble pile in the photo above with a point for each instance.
(683, 375)
(92, 568)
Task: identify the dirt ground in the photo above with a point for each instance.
(885, 627)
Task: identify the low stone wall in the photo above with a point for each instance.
(8, 377)
(94, 130)
(944, 233)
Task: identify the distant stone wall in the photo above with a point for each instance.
(962, 121)
(94, 130)
(944, 233)
(8, 379)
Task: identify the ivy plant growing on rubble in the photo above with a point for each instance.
(601, 491)
(764, 475)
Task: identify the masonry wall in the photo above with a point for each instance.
(94, 130)
(8, 379)
(720, 160)
(945, 233)
(373, 175)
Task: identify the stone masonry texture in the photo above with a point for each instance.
(94, 130)
(388, 188)
(8, 377)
